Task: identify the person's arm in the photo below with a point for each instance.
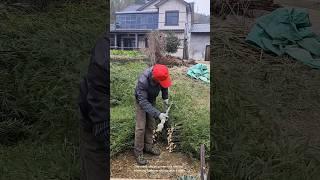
(98, 90)
(142, 97)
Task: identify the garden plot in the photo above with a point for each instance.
(191, 108)
(167, 165)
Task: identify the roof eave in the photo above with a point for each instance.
(146, 5)
(162, 2)
(131, 30)
(200, 31)
(135, 12)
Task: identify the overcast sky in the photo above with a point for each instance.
(201, 6)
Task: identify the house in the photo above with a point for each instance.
(199, 40)
(135, 21)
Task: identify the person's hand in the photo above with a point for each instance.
(163, 117)
(160, 127)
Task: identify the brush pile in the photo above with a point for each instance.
(256, 103)
(171, 61)
(173, 137)
(242, 7)
(155, 136)
(232, 42)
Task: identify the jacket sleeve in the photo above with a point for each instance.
(142, 97)
(98, 89)
(165, 93)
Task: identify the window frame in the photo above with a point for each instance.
(166, 18)
(137, 21)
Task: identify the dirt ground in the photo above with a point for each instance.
(166, 166)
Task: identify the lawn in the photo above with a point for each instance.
(191, 107)
(129, 53)
(43, 56)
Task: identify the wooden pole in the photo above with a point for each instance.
(115, 41)
(202, 161)
(136, 40)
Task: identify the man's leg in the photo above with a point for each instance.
(83, 118)
(139, 130)
(83, 174)
(94, 165)
(150, 125)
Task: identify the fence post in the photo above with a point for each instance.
(202, 161)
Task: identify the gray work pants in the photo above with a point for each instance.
(143, 131)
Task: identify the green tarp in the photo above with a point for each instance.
(199, 71)
(287, 31)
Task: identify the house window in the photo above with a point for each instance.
(137, 21)
(172, 18)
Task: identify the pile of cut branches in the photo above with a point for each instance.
(257, 117)
(171, 61)
(242, 7)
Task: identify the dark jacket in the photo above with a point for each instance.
(94, 92)
(146, 92)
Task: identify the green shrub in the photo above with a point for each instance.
(172, 42)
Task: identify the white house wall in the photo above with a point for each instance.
(173, 5)
(179, 53)
(198, 45)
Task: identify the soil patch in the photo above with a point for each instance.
(167, 165)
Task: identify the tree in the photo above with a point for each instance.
(156, 46)
(117, 6)
(201, 18)
(172, 42)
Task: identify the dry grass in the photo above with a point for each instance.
(265, 112)
(43, 55)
